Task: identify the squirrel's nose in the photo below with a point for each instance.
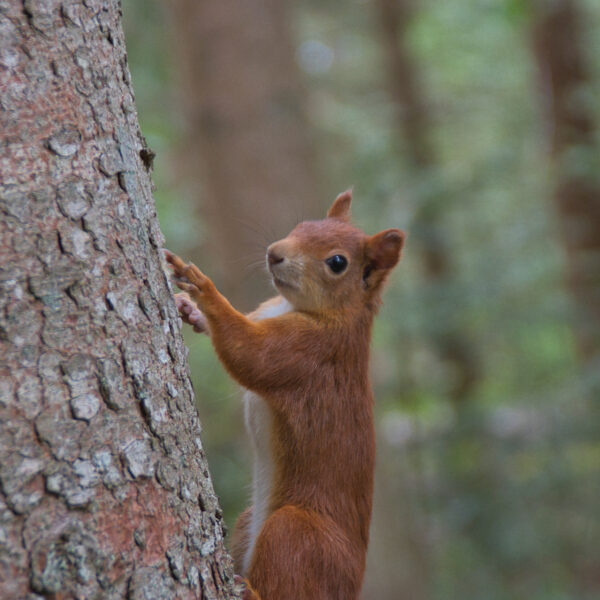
(273, 258)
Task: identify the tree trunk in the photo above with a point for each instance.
(104, 488)
(399, 563)
(558, 40)
(246, 132)
(414, 126)
(571, 130)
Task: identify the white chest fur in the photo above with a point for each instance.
(258, 425)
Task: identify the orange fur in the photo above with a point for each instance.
(310, 366)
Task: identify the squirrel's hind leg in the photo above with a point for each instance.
(302, 555)
(249, 592)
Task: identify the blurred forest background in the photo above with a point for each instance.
(473, 125)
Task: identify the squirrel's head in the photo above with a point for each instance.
(330, 265)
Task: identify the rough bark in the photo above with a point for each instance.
(571, 131)
(104, 488)
(248, 149)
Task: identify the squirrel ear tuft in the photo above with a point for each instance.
(340, 209)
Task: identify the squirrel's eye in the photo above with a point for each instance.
(337, 263)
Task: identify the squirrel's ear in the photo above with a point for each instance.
(383, 252)
(340, 209)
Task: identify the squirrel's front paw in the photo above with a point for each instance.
(190, 313)
(188, 276)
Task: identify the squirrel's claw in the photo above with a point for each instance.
(189, 278)
(174, 261)
(186, 275)
(248, 593)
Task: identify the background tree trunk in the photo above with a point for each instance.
(566, 100)
(414, 130)
(104, 489)
(572, 141)
(247, 150)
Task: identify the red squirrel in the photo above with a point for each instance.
(303, 358)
